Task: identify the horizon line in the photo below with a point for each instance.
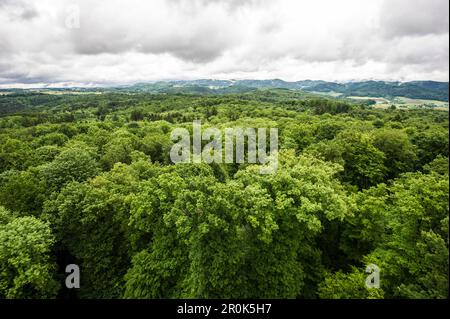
(102, 85)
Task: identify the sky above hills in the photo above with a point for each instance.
(85, 42)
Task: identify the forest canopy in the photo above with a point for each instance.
(86, 179)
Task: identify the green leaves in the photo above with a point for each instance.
(402, 228)
(25, 267)
(400, 154)
(72, 164)
(242, 238)
(348, 286)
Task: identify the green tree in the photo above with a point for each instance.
(363, 162)
(202, 233)
(348, 286)
(26, 270)
(22, 191)
(72, 164)
(15, 154)
(400, 155)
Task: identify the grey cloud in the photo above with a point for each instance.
(414, 17)
(19, 9)
(270, 26)
(4, 3)
(5, 45)
(21, 77)
(198, 48)
(188, 40)
(228, 4)
(133, 40)
(29, 13)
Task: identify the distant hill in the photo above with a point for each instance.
(430, 90)
(427, 90)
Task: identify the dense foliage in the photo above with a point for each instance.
(87, 179)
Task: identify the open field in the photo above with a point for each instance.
(57, 92)
(332, 93)
(404, 103)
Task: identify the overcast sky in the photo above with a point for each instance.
(92, 42)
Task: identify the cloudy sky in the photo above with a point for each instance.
(103, 42)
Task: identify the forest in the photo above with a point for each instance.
(86, 179)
